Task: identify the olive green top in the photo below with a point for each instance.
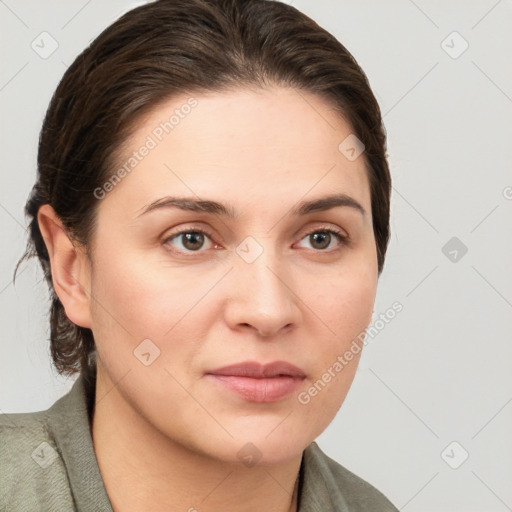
(47, 463)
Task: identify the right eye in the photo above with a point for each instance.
(191, 240)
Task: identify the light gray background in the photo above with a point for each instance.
(440, 371)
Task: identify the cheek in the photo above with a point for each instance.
(346, 305)
(139, 300)
(122, 299)
(137, 295)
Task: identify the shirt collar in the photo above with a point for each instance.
(69, 419)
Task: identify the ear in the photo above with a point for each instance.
(71, 273)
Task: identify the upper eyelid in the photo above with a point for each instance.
(323, 227)
(345, 238)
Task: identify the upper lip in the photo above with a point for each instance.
(260, 371)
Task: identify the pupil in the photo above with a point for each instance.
(192, 237)
(324, 236)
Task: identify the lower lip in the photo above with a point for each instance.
(260, 390)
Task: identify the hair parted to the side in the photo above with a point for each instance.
(149, 55)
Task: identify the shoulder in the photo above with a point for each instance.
(22, 434)
(33, 471)
(346, 490)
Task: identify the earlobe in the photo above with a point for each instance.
(69, 267)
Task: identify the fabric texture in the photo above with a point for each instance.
(47, 463)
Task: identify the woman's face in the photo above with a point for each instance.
(265, 284)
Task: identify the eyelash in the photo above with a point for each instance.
(342, 239)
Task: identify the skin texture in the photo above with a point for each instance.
(166, 436)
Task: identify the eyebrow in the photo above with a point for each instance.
(222, 210)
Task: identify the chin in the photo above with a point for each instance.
(255, 447)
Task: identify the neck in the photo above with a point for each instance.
(143, 469)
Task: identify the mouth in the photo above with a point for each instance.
(259, 383)
(257, 370)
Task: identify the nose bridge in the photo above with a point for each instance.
(258, 266)
(263, 297)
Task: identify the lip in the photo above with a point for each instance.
(260, 383)
(257, 370)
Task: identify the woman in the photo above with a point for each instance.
(212, 215)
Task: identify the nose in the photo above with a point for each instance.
(261, 295)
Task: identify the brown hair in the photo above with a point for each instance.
(163, 49)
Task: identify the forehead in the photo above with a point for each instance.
(265, 145)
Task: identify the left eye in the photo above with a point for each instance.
(193, 240)
(324, 237)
